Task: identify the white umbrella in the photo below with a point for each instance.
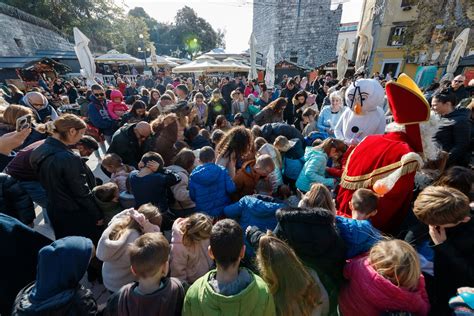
(365, 43)
(342, 60)
(270, 68)
(161, 61)
(84, 56)
(253, 58)
(200, 64)
(456, 54)
(114, 56)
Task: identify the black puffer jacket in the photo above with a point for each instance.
(453, 136)
(14, 201)
(125, 144)
(68, 183)
(271, 131)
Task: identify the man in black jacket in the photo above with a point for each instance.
(457, 87)
(128, 142)
(15, 201)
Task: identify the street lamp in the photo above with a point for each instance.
(140, 49)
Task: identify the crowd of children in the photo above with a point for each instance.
(234, 220)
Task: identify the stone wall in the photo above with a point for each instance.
(22, 34)
(311, 38)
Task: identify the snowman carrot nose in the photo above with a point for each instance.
(358, 109)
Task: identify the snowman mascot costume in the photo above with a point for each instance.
(365, 116)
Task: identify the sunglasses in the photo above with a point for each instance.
(458, 81)
(99, 94)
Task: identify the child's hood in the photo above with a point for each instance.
(312, 152)
(61, 266)
(116, 94)
(176, 231)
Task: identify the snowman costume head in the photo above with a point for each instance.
(364, 115)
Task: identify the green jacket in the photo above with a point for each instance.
(255, 300)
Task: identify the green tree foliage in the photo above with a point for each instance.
(108, 27)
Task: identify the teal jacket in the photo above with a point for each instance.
(201, 300)
(314, 170)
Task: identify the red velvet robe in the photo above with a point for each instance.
(372, 159)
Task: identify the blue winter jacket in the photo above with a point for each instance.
(314, 170)
(293, 160)
(209, 187)
(359, 235)
(254, 210)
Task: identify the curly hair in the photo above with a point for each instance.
(238, 140)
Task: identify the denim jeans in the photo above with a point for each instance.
(38, 194)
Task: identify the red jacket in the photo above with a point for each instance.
(370, 294)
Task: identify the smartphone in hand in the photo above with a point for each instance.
(23, 122)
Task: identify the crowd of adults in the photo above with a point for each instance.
(185, 156)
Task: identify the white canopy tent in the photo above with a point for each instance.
(161, 61)
(84, 56)
(207, 64)
(114, 56)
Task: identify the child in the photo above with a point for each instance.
(447, 212)
(119, 171)
(183, 165)
(216, 137)
(296, 289)
(251, 172)
(222, 124)
(210, 185)
(388, 279)
(57, 290)
(358, 232)
(116, 107)
(256, 210)
(194, 139)
(107, 197)
(189, 243)
(154, 293)
(113, 245)
(309, 121)
(259, 142)
(228, 290)
(293, 158)
(153, 182)
(276, 176)
(316, 158)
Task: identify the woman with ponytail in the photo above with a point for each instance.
(67, 180)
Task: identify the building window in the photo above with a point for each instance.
(294, 57)
(408, 3)
(18, 42)
(397, 36)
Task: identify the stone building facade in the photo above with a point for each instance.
(302, 31)
(23, 34)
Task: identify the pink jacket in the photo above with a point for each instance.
(120, 177)
(369, 294)
(188, 263)
(113, 107)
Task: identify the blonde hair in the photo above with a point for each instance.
(397, 261)
(335, 95)
(150, 212)
(294, 290)
(197, 227)
(318, 196)
(148, 254)
(438, 205)
(13, 112)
